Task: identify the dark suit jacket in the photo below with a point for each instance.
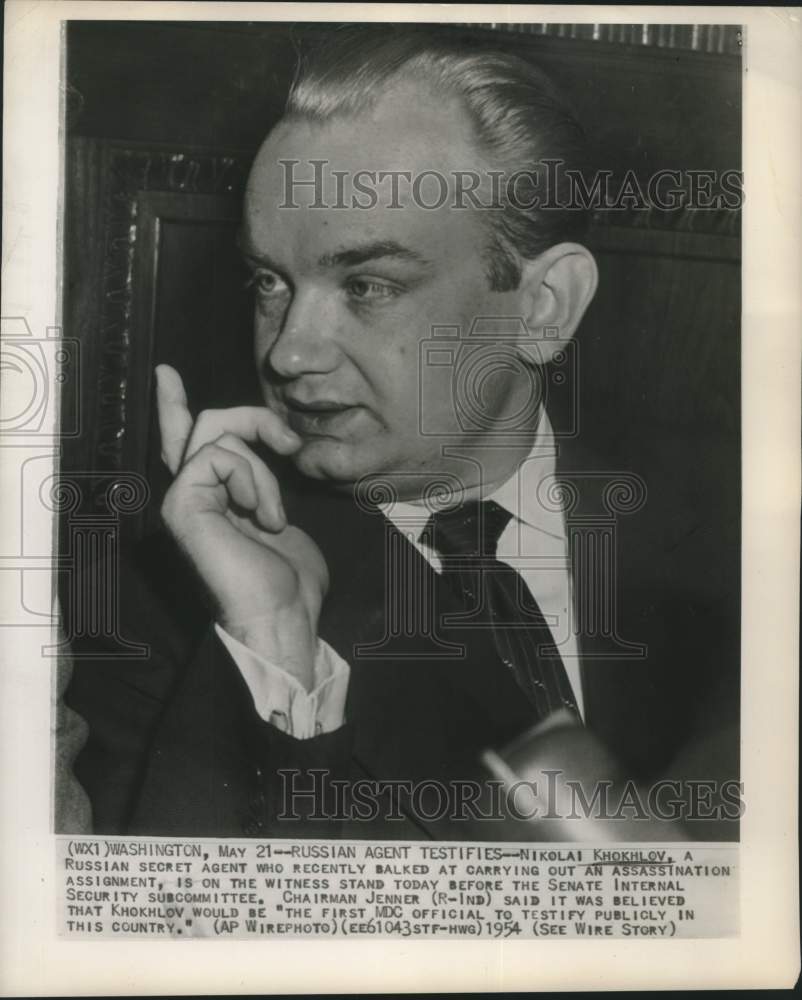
(176, 747)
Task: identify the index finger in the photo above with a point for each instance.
(249, 423)
(175, 420)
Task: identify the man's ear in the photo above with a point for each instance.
(555, 290)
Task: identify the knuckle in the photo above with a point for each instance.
(268, 479)
(205, 421)
(168, 506)
(206, 451)
(229, 441)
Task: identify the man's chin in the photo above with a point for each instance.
(331, 461)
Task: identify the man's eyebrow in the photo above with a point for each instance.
(347, 257)
(241, 243)
(370, 251)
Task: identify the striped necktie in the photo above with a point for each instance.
(496, 597)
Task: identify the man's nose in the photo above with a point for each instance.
(307, 341)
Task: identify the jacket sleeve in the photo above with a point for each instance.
(216, 768)
(175, 744)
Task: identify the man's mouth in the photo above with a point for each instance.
(318, 416)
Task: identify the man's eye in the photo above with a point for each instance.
(367, 289)
(266, 283)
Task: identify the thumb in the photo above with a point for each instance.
(175, 420)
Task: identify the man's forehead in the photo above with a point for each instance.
(407, 130)
(323, 192)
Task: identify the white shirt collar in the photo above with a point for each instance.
(521, 494)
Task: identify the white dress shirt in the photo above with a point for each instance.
(533, 543)
(282, 700)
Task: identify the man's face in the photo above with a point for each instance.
(345, 295)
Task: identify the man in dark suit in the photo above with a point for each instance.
(367, 583)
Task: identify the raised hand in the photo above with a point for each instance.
(265, 579)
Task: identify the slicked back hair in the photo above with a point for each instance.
(518, 117)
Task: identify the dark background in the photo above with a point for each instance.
(162, 121)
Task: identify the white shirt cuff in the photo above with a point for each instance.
(282, 701)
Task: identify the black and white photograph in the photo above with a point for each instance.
(400, 508)
(422, 342)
